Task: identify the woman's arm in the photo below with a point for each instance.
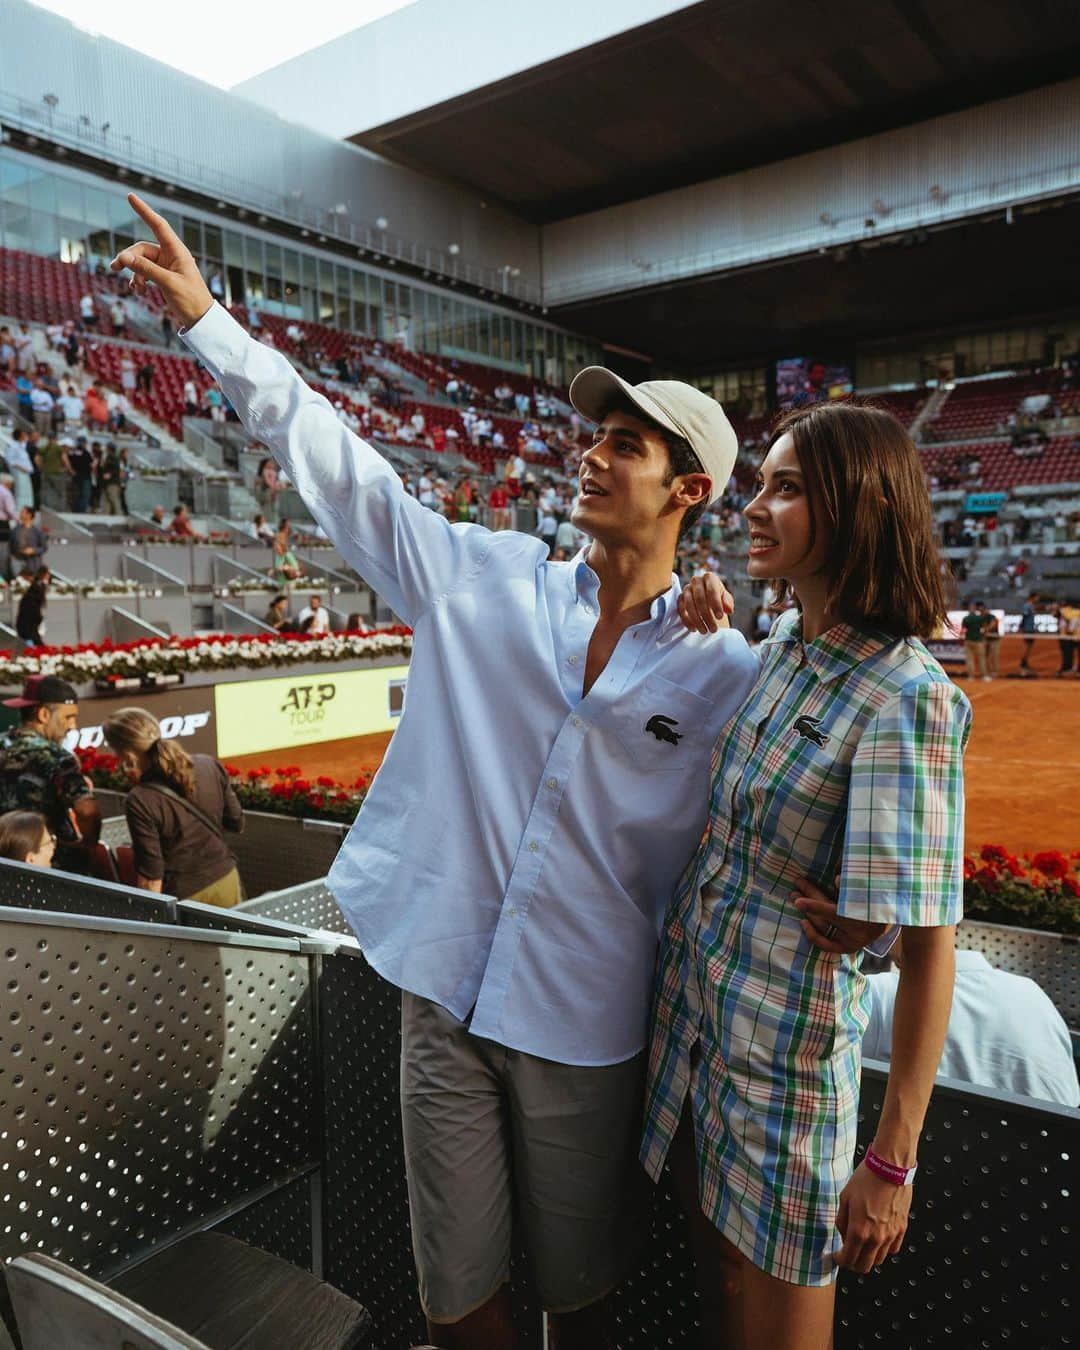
(149, 883)
(873, 1215)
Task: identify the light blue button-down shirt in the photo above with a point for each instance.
(521, 841)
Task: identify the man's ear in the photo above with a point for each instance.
(693, 489)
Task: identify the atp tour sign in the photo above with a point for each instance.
(259, 715)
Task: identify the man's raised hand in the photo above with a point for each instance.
(168, 264)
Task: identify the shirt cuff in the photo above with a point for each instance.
(883, 945)
(216, 338)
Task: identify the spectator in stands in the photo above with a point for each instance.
(79, 465)
(21, 467)
(95, 410)
(974, 624)
(25, 361)
(547, 528)
(215, 402)
(88, 311)
(277, 615)
(128, 378)
(166, 330)
(25, 837)
(28, 543)
(109, 478)
(118, 405)
(499, 506)
(177, 813)
(118, 317)
(267, 488)
(180, 527)
(38, 774)
(1004, 1032)
(1028, 611)
(314, 618)
(30, 616)
(263, 529)
(42, 403)
(71, 407)
(191, 398)
(157, 515)
(7, 351)
(286, 566)
(24, 400)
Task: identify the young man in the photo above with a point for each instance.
(554, 764)
(38, 774)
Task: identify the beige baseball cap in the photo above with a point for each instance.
(677, 407)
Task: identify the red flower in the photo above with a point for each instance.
(993, 853)
(1051, 864)
(987, 878)
(1071, 886)
(969, 868)
(232, 770)
(323, 781)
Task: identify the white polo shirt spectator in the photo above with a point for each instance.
(71, 405)
(87, 309)
(318, 615)
(1004, 1032)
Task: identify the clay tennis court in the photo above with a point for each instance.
(1023, 781)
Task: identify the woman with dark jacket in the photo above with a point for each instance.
(177, 813)
(29, 619)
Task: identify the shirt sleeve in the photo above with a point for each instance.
(904, 840)
(408, 554)
(145, 838)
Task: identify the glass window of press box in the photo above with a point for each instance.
(67, 215)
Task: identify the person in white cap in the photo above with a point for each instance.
(513, 861)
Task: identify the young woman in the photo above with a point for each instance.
(177, 812)
(25, 837)
(845, 761)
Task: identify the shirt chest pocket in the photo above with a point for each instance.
(665, 728)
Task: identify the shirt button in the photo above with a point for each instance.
(533, 845)
(512, 912)
(573, 660)
(575, 721)
(588, 609)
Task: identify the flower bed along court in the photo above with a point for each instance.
(1041, 890)
(281, 791)
(185, 655)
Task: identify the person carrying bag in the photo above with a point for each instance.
(177, 813)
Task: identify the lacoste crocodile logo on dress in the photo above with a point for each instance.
(663, 728)
(808, 727)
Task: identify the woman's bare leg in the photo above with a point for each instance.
(782, 1316)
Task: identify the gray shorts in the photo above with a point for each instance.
(494, 1138)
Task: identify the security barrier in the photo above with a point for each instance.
(225, 1068)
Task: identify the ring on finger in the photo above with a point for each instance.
(831, 931)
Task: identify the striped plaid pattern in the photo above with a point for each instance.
(848, 747)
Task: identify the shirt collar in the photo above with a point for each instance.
(835, 651)
(585, 586)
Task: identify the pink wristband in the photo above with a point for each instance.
(887, 1171)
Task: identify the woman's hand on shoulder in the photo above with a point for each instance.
(705, 604)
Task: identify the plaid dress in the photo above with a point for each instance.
(848, 747)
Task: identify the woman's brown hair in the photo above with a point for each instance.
(133, 730)
(866, 488)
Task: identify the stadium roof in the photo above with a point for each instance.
(1013, 267)
(722, 86)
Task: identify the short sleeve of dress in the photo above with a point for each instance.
(904, 840)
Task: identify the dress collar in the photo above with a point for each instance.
(835, 651)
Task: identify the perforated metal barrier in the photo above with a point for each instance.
(156, 1078)
(310, 905)
(1050, 959)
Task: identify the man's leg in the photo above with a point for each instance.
(580, 1190)
(457, 1162)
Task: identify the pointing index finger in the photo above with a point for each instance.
(161, 227)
